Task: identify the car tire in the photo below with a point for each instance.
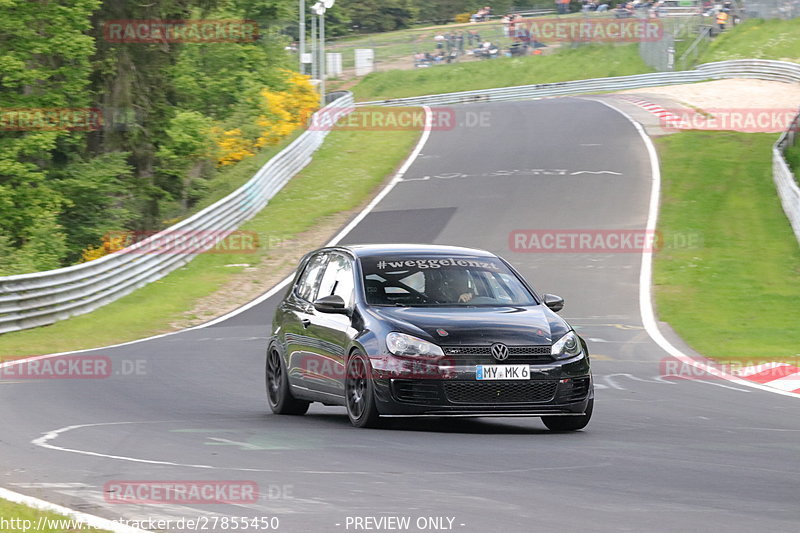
(359, 391)
(569, 423)
(279, 397)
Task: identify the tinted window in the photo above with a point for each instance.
(442, 281)
(306, 287)
(338, 279)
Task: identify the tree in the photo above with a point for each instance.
(44, 68)
(376, 16)
(99, 198)
(185, 154)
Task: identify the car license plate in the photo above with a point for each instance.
(502, 372)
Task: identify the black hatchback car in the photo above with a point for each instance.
(422, 330)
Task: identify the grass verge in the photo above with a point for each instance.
(345, 171)
(733, 297)
(594, 61)
(24, 518)
(757, 39)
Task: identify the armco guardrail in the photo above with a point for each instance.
(40, 298)
(785, 181)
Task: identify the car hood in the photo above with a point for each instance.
(450, 326)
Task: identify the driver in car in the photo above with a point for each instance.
(457, 286)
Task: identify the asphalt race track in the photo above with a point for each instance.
(659, 454)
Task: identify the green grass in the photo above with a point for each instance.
(595, 61)
(17, 514)
(757, 39)
(735, 297)
(344, 172)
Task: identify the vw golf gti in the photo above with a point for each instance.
(423, 330)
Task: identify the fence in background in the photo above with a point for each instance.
(40, 298)
(772, 9)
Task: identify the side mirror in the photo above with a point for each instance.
(556, 303)
(331, 304)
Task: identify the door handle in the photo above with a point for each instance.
(306, 322)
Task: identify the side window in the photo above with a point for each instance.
(306, 287)
(338, 279)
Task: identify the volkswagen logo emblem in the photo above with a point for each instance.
(500, 351)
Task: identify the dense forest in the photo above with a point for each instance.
(104, 130)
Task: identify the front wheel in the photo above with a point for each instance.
(569, 423)
(360, 393)
(279, 396)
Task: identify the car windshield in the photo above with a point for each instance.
(442, 281)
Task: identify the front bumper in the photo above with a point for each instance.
(558, 388)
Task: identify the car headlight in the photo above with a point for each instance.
(567, 346)
(402, 344)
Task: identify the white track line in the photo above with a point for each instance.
(90, 520)
(646, 274)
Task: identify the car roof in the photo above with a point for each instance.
(372, 250)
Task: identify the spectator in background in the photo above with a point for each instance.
(506, 20)
(722, 19)
(482, 15)
(562, 7)
(520, 29)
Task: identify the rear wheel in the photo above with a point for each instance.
(360, 393)
(569, 423)
(279, 396)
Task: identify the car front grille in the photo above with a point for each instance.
(497, 392)
(517, 354)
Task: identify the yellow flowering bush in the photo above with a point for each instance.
(112, 242)
(232, 146)
(279, 114)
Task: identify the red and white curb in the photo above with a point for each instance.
(666, 118)
(781, 376)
